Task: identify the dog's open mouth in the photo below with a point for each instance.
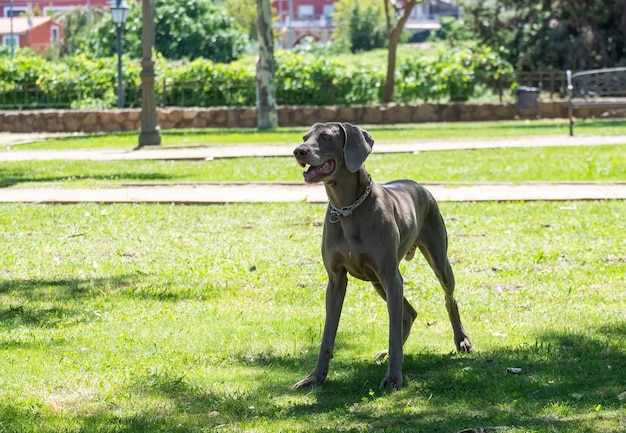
(316, 174)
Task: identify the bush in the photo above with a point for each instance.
(29, 81)
(310, 80)
(204, 83)
(453, 76)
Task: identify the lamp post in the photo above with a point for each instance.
(149, 135)
(119, 13)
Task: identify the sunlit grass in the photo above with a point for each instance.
(550, 164)
(382, 133)
(160, 318)
(154, 318)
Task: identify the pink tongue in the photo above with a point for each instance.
(311, 172)
(314, 172)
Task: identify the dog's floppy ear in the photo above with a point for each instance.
(357, 146)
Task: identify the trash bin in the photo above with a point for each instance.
(527, 97)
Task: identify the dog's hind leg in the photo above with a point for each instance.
(433, 243)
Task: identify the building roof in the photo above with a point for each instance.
(21, 25)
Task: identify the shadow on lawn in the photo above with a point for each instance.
(43, 303)
(565, 379)
(16, 177)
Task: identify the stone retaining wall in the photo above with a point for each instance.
(246, 117)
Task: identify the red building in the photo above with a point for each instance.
(28, 23)
(298, 19)
(37, 33)
(44, 8)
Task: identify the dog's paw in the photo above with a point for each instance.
(381, 355)
(464, 346)
(395, 381)
(310, 380)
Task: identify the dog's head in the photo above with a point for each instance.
(329, 147)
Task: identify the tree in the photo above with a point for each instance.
(266, 69)
(555, 34)
(183, 29)
(245, 14)
(397, 16)
(77, 26)
(367, 29)
(344, 20)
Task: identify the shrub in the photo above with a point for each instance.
(310, 80)
(29, 81)
(453, 76)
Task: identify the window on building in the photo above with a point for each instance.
(13, 11)
(54, 10)
(55, 34)
(329, 10)
(11, 40)
(305, 11)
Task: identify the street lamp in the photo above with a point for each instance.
(119, 13)
(149, 135)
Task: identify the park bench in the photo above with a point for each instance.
(603, 88)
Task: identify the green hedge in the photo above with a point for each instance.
(30, 81)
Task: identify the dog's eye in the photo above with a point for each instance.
(326, 137)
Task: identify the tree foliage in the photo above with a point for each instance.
(244, 12)
(77, 26)
(366, 29)
(350, 14)
(561, 34)
(183, 29)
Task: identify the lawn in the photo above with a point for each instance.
(558, 128)
(161, 318)
(155, 318)
(580, 163)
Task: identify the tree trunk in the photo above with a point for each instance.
(267, 117)
(394, 39)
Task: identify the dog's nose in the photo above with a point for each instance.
(301, 151)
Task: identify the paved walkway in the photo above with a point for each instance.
(212, 193)
(208, 153)
(272, 192)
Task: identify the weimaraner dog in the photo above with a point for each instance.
(368, 228)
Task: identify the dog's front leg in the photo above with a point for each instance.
(335, 295)
(395, 296)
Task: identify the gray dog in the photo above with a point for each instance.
(369, 228)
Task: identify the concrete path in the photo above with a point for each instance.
(208, 153)
(213, 193)
(273, 192)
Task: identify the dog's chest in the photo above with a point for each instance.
(351, 251)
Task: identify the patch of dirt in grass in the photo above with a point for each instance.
(64, 400)
(502, 287)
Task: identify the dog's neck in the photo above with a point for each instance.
(345, 191)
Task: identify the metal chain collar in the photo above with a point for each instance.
(346, 211)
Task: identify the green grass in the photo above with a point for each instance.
(381, 133)
(159, 318)
(580, 163)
